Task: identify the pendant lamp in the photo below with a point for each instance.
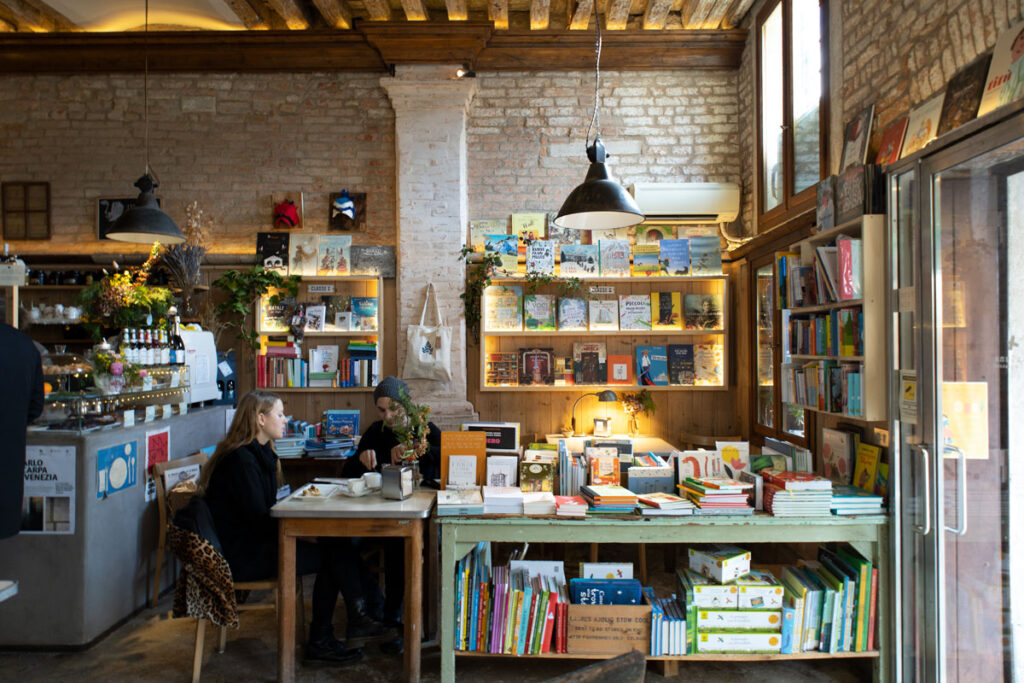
(146, 222)
(599, 202)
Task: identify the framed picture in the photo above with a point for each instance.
(347, 211)
(855, 139)
(963, 94)
(109, 209)
(26, 210)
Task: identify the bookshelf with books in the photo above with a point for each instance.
(631, 332)
(340, 350)
(832, 289)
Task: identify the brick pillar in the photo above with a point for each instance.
(430, 144)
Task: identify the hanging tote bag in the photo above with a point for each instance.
(428, 354)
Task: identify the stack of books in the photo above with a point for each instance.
(717, 495)
(571, 506)
(460, 502)
(572, 470)
(664, 505)
(538, 503)
(850, 500)
(608, 498)
(291, 446)
(796, 494)
(330, 447)
(503, 500)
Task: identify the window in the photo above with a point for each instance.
(791, 75)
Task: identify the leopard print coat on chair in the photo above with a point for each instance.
(204, 589)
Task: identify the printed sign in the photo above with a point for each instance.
(116, 468)
(48, 506)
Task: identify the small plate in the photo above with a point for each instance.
(326, 491)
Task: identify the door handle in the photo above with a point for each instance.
(961, 494)
(926, 528)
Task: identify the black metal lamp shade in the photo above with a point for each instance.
(604, 396)
(599, 202)
(607, 396)
(145, 222)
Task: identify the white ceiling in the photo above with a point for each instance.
(126, 15)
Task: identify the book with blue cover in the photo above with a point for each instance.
(705, 255)
(675, 256)
(651, 366)
(605, 591)
(341, 422)
(364, 313)
(507, 249)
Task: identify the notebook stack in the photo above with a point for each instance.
(850, 500)
(796, 494)
(503, 500)
(608, 498)
(571, 506)
(460, 502)
(717, 495)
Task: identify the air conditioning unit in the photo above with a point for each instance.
(688, 202)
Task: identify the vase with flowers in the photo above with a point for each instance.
(410, 426)
(634, 404)
(123, 299)
(111, 372)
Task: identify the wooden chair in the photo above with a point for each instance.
(166, 510)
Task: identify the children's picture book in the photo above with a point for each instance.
(506, 248)
(479, 230)
(562, 235)
(825, 210)
(651, 366)
(272, 251)
(620, 369)
(614, 258)
(680, 364)
(666, 312)
(923, 125)
(705, 255)
(703, 311)
(343, 320)
(963, 94)
(855, 138)
(536, 367)
(563, 371)
(837, 448)
(341, 422)
(653, 234)
(634, 312)
(463, 459)
(539, 312)
(849, 259)
(503, 308)
(892, 141)
(590, 362)
(315, 316)
(537, 476)
(334, 255)
(675, 256)
(865, 471)
(604, 314)
(1005, 82)
(273, 317)
(604, 469)
(364, 313)
(501, 369)
(528, 227)
(572, 313)
(302, 254)
(708, 360)
(540, 257)
(579, 260)
(646, 260)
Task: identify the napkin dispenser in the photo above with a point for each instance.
(397, 481)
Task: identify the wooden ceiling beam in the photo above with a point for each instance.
(616, 16)
(704, 15)
(379, 10)
(540, 14)
(457, 10)
(736, 12)
(247, 15)
(497, 12)
(657, 14)
(336, 13)
(291, 13)
(415, 10)
(35, 16)
(267, 16)
(580, 19)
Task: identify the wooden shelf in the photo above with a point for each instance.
(317, 390)
(613, 387)
(841, 359)
(326, 333)
(605, 333)
(855, 418)
(705, 657)
(338, 278)
(851, 227)
(653, 278)
(53, 288)
(818, 308)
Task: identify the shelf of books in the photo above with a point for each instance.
(832, 291)
(657, 333)
(343, 308)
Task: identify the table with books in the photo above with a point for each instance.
(461, 536)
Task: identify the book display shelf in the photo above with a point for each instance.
(832, 290)
(340, 349)
(626, 333)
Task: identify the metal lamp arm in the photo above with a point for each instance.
(573, 413)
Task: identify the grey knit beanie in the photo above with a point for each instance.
(392, 387)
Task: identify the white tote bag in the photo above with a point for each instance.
(428, 353)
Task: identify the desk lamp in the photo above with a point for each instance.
(606, 396)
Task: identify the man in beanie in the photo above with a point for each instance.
(379, 446)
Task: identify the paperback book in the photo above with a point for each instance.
(634, 312)
(302, 254)
(665, 311)
(563, 371)
(540, 257)
(572, 313)
(272, 251)
(334, 255)
(503, 308)
(708, 362)
(562, 235)
(646, 260)
(703, 311)
(539, 312)
(579, 260)
(590, 362)
(364, 313)
(651, 366)
(675, 256)
(536, 367)
(705, 255)
(620, 369)
(680, 364)
(528, 227)
(481, 228)
(614, 258)
(506, 247)
(604, 314)
(653, 234)
(501, 369)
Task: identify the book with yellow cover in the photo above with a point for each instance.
(646, 260)
(865, 471)
(666, 312)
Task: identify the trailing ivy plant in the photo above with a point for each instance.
(570, 286)
(478, 278)
(244, 288)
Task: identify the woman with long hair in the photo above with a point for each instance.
(240, 486)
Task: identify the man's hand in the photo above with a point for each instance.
(396, 454)
(369, 459)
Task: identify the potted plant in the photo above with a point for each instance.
(410, 426)
(123, 299)
(634, 404)
(111, 372)
(244, 288)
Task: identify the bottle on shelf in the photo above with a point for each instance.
(165, 350)
(122, 346)
(150, 347)
(176, 343)
(131, 353)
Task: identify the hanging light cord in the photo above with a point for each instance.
(596, 118)
(145, 84)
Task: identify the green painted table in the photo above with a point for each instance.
(870, 534)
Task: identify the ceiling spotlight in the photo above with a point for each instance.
(464, 72)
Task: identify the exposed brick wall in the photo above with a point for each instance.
(747, 96)
(526, 133)
(226, 140)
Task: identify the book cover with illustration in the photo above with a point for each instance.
(334, 255)
(604, 314)
(614, 258)
(653, 234)
(503, 308)
(705, 255)
(703, 311)
(865, 471)
(666, 313)
(506, 249)
(479, 230)
(272, 251)
(364, 313)
(620, 369)
(589, 362)
(634, 312)
(837, 449)
(651, 366)
(540, 257)
(563, 371)
(302, 254)
(675, 256)
(536, 367)
(572, 313)
(646, 260)
(708, 362)
(579, 260)
(539, 312)
(528, 227)
(680, 364)
(563, 235)
(501, 369)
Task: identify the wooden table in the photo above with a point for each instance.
(369, 516)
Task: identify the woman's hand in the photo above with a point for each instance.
(396, 454)
(368, 459)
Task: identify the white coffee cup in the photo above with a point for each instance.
(372, 480)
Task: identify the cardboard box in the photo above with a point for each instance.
(700, 591)
(739, 619)
(759, 590)
(739, 641)
(609, 629)
(723, 563)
